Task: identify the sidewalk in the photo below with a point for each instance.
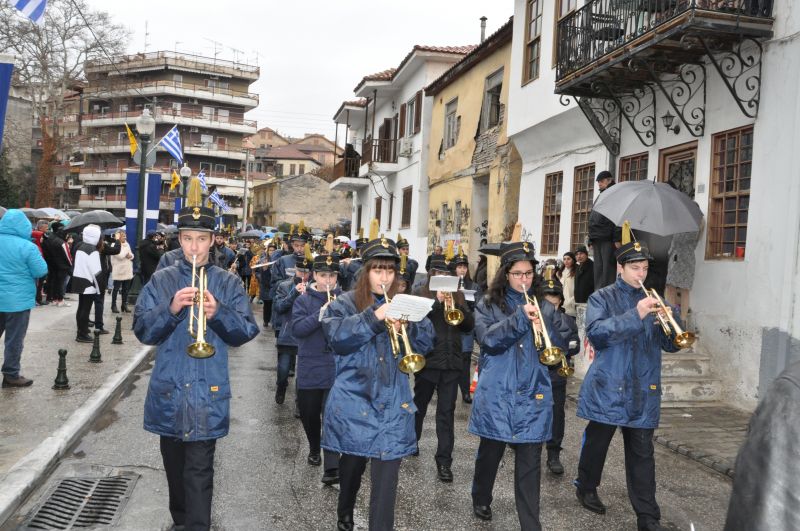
(710, 435)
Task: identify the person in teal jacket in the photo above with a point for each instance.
(513, 402)
(369, 414)
(21, 266)
(622, 387)
(188, 398)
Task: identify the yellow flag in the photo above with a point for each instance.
(132, 139)
(175, 180)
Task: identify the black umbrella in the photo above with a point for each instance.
(253, 233)
(102, 218)
(492, 249)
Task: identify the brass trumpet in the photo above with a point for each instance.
(411, 362)
(452, 315)
(667, 321)
(331, 298)
(197, 321)
(550, 355)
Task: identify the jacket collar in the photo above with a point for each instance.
(626, 288)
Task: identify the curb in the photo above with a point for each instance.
(29, 472)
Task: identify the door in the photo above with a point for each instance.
(677, 166)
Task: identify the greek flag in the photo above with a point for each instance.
(202, 178)
(172, 143)
(33, 9)
(217, 200)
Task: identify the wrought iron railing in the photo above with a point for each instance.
(379, 150)
(603, 26)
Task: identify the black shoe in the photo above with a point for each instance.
(314, 459)
(591, 500)
(125, 309)
(415, 453)
(84, 339)
(19, 381)
(291, 373)
(331, 477)
(280, 395)
(444, 473)
(651, 526)
(484, 512)
(114, 308)
(345, 523)
(467, 398)
(554, 463)
(102, 331)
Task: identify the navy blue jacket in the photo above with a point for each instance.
(282, 311)
(567, 328)
(315, 364)
(278, 271)
(188, 398)
(348, 274)
(369, 411)
(623, 385)
(468, 338)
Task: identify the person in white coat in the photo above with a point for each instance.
(121, 272)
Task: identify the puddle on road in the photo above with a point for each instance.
(105, 420)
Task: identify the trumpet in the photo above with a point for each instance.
(197, 315)
(331, 298)
(411, 362)
(667, 321)
(550, 355)
(452, 315)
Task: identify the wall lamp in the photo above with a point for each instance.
(667, 119)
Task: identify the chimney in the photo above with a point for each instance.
(483, 29)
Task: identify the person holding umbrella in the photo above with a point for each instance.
(604, 237)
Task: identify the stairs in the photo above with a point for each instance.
(686, 379)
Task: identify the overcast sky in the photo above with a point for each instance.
(312, 53)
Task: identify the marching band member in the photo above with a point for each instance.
(459, 265)
(412, 265)
(623, 385)
(315, 363)
(443, 367)
(187, 401)
(513, 400)
(348, 273)
(369, 415)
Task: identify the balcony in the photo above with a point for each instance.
(168, 115)
(347, 167)
(166, 60)
(111, 201)
(174, 88)
(616, 57)
(379, 155)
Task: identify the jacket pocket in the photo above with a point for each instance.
(161, 406)
(217, 414)
(608, 397)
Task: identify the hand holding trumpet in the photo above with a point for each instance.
(186, 297)
(533, 316)
(647, 306)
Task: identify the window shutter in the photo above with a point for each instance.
(418, 112)
(402, 120)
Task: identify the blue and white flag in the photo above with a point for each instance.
(33, 9)
(202, 178)
(217, 200)
(172, 143)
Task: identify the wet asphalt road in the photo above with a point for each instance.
(263, 482)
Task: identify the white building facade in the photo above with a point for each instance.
(717, 73)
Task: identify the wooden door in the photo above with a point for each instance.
(677, 165)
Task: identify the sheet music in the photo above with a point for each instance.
(443, 283)
(409, 307)
(469, 294)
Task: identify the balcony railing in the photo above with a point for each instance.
(603, 26)
(172, 57)
(347, 167)
(168, 113)
(379, 150)
(169, 84)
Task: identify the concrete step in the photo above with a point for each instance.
(690, 389)
(690, 364)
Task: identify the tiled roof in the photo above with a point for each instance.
(282, 152)
(446, 49)
(360, 102)
(387, 75)
(383, 75)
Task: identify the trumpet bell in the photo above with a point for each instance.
(551, 356)
(411, 363)
(684, 340)
(201, 350)
(454, 317)
(566, 371)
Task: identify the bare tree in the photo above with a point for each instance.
(49, 60)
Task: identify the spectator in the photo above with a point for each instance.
(59, 257)
(436, 251)
(21, 266)
(604, 237)
(107, 247)
(567, 278)
(38, 236)
(584, 275)
(84, 279)
(480, 274)
(150, 251)
(680, 270)
(121, 272)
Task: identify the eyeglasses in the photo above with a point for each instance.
(520, 274)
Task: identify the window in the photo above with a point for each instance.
(451, 124)
(223, 115)
(123, 107)
(279, 170)
(176, 107)
(206, 167)
(533, 41)
(378, 205)
(729, 201)
(291, 169)
(407, 113)
(582, 196)
(101, 192)
(457, 217)
(359, 226)
(122, 137)
(219, 168)
(491, 100)
(301, 169)
(551, 213)
(445, 217)
(405, 218)
(391, 210)
(119, 191)
(177, 79)
(563, 8)
(633, 168)
(208, 112)
(207, 140)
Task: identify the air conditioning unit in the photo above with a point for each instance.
(194, 130)
(406, 147)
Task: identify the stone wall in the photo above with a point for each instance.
(309, 198)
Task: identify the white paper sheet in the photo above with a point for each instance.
(443, 283)
(469, 294)
(409, 307)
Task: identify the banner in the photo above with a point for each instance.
(6, 67)
(152, 195)
(178, 206)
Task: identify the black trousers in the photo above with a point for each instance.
(446, 388)
(640, 465)
(527, 474)
(190, 477)
(99, 305)
(311, 403)
(267, 311)
(82, 314)
(466, 375)
(559, 402)
(123, 286)
(605, 265)
(383, 477)
(55, 284)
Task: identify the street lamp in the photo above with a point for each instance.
(145, 126)
(186, 173)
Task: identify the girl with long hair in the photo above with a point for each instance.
(567, 278)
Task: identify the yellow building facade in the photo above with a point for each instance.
(473, 169)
